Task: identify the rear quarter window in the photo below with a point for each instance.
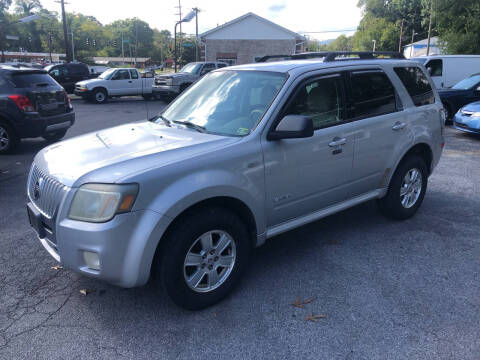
(29, 80)
(417, 85)
(372, 93)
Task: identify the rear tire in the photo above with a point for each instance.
(448, 114)
(8, 138)
(214, 226)
(55, 136)
(407, 189)
(99, 96)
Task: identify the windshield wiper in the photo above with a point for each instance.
(191, 125)
(165, 120)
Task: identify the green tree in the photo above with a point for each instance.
(458, 25)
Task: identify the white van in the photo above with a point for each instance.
(447, 70)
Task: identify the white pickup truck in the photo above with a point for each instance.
(115, 83)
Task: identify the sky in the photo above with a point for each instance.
(296, 15)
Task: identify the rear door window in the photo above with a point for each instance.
(435, 67)
(372, 93)
(32, 80)
(417, 85)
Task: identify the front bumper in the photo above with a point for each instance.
(34, 125)
(166, 89)
(125, 245)
(83, 94)
(466, 123)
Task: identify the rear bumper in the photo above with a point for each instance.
(35, 125)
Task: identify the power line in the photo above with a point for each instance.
(327, 31)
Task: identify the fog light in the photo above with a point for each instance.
(91, 260)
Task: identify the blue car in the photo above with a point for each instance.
(468, 118)
(464, 92)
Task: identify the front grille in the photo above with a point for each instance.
(160, 82)
(45, 192)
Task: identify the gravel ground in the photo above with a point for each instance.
(384, 289)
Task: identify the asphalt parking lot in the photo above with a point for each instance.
(377, 289)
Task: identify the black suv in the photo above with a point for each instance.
(32, 104)
(69, 74)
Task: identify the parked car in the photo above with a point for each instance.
(32, 104)
(447, 70)
(68, 74)
(467, 119)
(170, 85)
(115, 83)
(462, 93)
(245, 154)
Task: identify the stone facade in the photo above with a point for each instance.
(245, 51)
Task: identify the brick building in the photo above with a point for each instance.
(247, 38)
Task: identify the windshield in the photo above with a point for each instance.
(191, 68)
(227, 102)
(467, 83)
(107, 74)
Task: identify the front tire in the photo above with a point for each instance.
(99, 96)
(407, 189)
(203, 257)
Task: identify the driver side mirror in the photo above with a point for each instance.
(292, 127)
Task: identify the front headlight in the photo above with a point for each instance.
(169, 81)
(101, 202)
(475, 114)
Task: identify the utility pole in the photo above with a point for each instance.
(136, 41)
(429, 27)
(401, 35)
(374, 44)
(65, 31)
(123, 54)
(73, 46)
(197, 10)
(411, 44)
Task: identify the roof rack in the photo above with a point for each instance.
(329, 56)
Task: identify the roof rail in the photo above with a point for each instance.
(329, 56)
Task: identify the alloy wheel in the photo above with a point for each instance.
(209, 261)
(411, 188)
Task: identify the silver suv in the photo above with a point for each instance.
(246, 153)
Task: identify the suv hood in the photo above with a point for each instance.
(112, 154)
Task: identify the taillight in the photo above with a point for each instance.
(22, 102)
(68, 101)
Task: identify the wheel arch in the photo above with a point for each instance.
(421, 149)
(237, 206)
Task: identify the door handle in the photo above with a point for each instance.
(129, 81)
(399, 125)
(336, 141)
